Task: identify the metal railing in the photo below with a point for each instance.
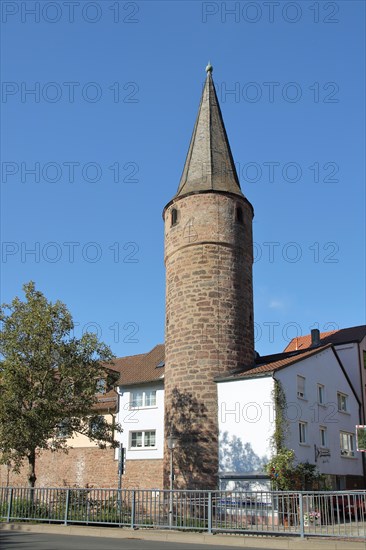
(340, 514)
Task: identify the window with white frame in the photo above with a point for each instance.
(303, 429)
(321, 394)
(150, 398)
(301, 386)
(347, 441)
(143, 398)
(342, 400)
(323, 436)
(143, 440)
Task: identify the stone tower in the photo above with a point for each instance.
(209, 327)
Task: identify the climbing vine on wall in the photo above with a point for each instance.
(281, 422)
(284, 474)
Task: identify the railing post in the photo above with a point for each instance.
(10, 505)
(133, 509)
(67, 506)
(119, 500)
(301, 512)
(209, 518)
(170, 508)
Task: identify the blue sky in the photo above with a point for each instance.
(106, 130)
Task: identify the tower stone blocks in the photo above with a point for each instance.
(209, 318)
(209, 328)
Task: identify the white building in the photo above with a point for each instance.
(323, 406)
(322, 409)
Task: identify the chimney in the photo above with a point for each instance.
(315, 337)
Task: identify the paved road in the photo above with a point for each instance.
(12, 540)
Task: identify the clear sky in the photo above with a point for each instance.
(93, 154)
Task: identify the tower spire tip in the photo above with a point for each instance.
(209, 68)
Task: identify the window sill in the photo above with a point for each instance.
(344, 412)
(148, 408)
(302, 398)
(349, 457)
(304, 445)
(143, 449)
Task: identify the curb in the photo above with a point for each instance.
(252, 541)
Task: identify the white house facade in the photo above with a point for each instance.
(141, 413)
(321, 412)
(350, 345)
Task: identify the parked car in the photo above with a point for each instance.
(356, 506)
(350, 505)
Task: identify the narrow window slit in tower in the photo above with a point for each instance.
(174, 216)
(239, 215)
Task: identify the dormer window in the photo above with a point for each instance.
(239, 215)
(174, 216)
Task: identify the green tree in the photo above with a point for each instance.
(48, 381)
(288, 476)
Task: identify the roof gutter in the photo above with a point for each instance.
(233, 378)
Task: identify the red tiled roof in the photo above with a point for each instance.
(138, 369)
(284, 360)
(133, 369)
(341, 336)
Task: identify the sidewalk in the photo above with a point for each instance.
(245, 541)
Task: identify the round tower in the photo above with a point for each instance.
(209, 329)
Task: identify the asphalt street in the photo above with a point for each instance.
(11, 540)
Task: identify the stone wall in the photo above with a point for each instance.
(209, 322)
(90, 467)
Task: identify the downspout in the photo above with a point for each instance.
(362, 416)
(362, 409)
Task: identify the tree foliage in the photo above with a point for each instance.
(48, 380)
(288, 476)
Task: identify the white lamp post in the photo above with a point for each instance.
(172, 441)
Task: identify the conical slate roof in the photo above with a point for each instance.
(209, 164)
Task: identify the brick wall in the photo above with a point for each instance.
(87, 466)
(143, 474)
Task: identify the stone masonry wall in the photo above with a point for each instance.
(209, 323)
(90, 467)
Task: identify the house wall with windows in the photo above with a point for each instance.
(349, 355)
(141, 413)
(322, 411)
(353, 357)
(328, 425)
